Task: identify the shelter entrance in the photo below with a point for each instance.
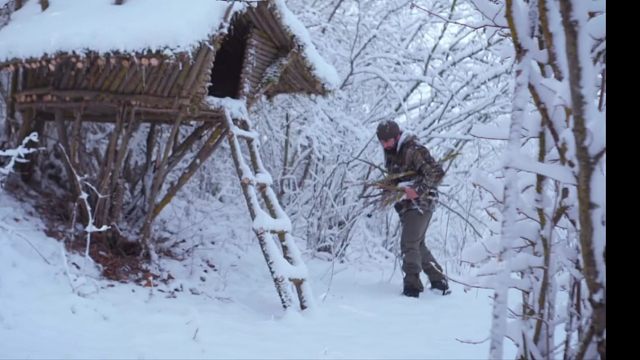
(228, 63)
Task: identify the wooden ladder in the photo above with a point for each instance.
(272, 226)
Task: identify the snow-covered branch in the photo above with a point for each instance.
(18, 155)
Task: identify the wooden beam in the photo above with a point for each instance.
(62, 132)
(156, 77)
(147, 115)
(159, 177)
(205, 152)
(167, 84)
(130, 80)
(26, 126)
(75, 135)
(180, 150)
(116, 186)
(106, 169)
(71, 168)
(194, 71)
(85, 95)
(176, 89)
(264, 19)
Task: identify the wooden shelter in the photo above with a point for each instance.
(252, 53)
(187, 95)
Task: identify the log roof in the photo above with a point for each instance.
(156, 54)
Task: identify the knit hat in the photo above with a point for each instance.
(387, 129)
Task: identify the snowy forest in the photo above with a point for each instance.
(508, 96)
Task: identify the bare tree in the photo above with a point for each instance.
(552, 204)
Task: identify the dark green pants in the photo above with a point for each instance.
(415, 255)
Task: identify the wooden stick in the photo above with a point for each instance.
(205, 152)
(180, 150)
(158, 179)
(176, 89)
(117, 186)
(101, 206)
(102, 96)
(170, 80)
(203, 54)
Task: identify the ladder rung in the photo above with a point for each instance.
(236, 108)
(250, 135)
(264, 222)
(264, 179)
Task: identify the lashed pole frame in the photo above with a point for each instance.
(287, 265)
(131, 89)
(115, 169)
(173, 153)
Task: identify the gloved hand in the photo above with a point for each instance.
(432, 194)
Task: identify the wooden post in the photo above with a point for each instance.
(27, 168)
(71, 166)
(25, 129)
(116, 187)
(75, 137)
(158, 178)
(11, 121)
(107, 168)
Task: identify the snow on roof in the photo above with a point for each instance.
(325, 72)
(99, 25)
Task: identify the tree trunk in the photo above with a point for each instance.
(590, 201)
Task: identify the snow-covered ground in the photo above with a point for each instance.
(233, 313)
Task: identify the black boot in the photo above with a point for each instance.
(411, 291)
(441, 285)
(412, 285)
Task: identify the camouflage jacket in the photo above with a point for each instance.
(409, 155)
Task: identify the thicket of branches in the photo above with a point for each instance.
(424, 64)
